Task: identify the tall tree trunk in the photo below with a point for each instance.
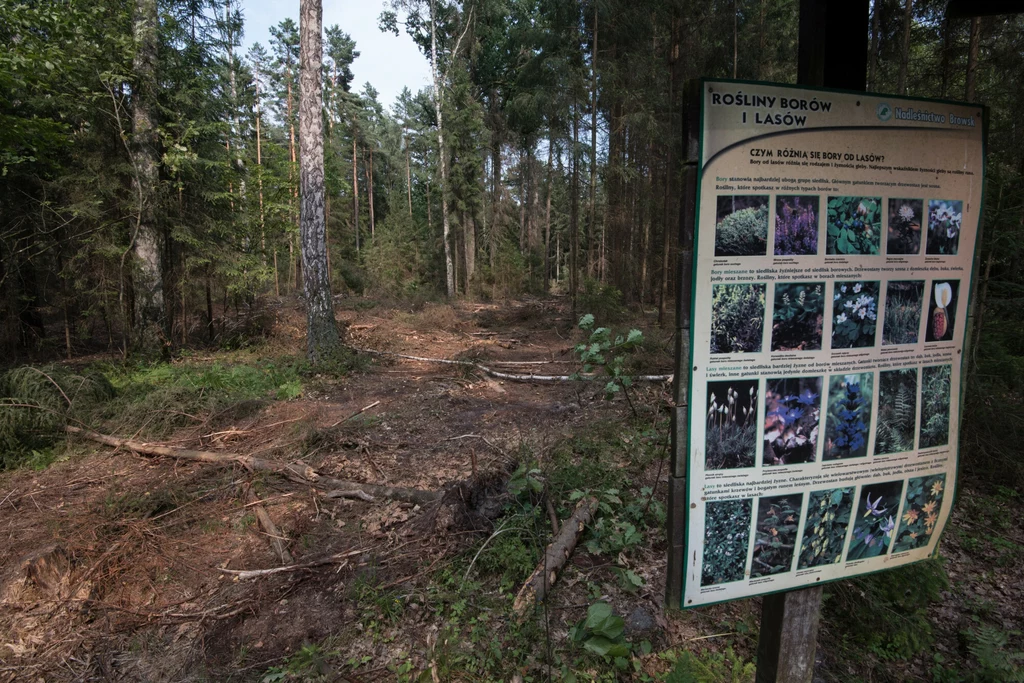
(446, 233)
(547, 213)
(408, 174)
(873, 53)
(972, 59)
(259, 169)
(574, 212)
(592, 219)
(368, 167)
(322, 331)
(292, 259)
(668, 213)
(355, 186)
(469, 242)
(523, 191)
(148, 285)
(908, 16)
(735, 37)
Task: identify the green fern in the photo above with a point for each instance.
(988, 646)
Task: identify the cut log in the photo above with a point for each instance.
(297, 472)
(537, 587)
(48, 568)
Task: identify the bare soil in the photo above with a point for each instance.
(140, 544)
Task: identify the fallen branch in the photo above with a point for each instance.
(297, 472)
(268, 525)
(253, 573)
(506, 375)
(537, 587)
(358, 412)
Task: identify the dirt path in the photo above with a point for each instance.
(144, 540)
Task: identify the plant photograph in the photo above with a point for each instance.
(849, 416)
(897, 411)
(854, 314)
(731, 437)
(944, 218)
(942, 319)
(904, 235)
(726, 539)
(828, 518)
(777, 520)
(904, 300)
(920, 512)
(876, 520)
(797, 316)
(737, 318)
(741, 227)
(796, 226)
(935, 388)
(791, 420)
(854, 225)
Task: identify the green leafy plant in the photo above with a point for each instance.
(798, 316)
(920, 512)
(854, 314)
(897, 411)
(854, 225)
(828, 518)
(726, 539)
(742, 228)
(602, 350)
(731, 429)
(903, 303)
(737, 318)
(873, 531)
(935, 392)
(601, 633)
(777, 520)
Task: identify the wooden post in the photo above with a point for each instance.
(788, 637)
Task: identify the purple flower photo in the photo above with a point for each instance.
(796, 226)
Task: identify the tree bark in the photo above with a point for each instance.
(592, 221)
(355, 185)
(408, 174)
(368, 167)
(547, 213)
(148, 285)
(908, 16)
(322, 331)
(972, 59)
(873, 53)
(574, 212)
(668, 218)
(449, 267)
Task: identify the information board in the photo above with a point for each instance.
(835, 234)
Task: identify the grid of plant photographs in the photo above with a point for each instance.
(944, 218)
(849, 416)
(731, 436)
(828, 518)
(854, 314)
(904, 300)
(920, 512)
(797, 316)
(726, 539)
(897, 411)
(796, 225)
(791, 420)
(737, 318)
(904, 235)
(935, 392)
(775, 534)
(876, 520)
(742, 225)
(854, 225)
(942, 316)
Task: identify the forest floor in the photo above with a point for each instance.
(140, 548)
